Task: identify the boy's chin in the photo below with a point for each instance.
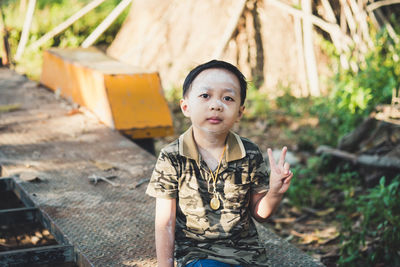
(214, 130)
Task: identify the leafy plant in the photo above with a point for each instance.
(306, 191)
(375, 238)
(355, 95)
(257, 103)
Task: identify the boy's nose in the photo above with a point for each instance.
(216, 105)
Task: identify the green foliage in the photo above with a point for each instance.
(316, 183)
(370, 219)
(355, 95)
(257, 103)
(306, 190)
(377, 233)
(48, 14)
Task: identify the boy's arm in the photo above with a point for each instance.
(165, 231)
(263, 205)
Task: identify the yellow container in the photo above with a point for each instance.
(121, 96)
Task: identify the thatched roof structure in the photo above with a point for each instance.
(173, 36)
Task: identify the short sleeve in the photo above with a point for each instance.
(259, 175)
(164, 180)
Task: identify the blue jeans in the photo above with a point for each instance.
(209, 263)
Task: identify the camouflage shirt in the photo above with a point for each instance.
(227, 234)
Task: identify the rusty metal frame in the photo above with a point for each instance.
(63, 252)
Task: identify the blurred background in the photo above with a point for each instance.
(324, 78)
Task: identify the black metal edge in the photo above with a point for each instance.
(38, 255)
(46, 221)
(5, 183)
(81, 259)
(22, 194)
(18, 215)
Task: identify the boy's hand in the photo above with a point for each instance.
(280, 177)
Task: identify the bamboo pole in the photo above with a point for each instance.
(388, 26)
(361, 17)
(61, 27)
(331, 28)
(301, 73)
(25, 30)
(379, 4)
(309, 55)
(229, 30)
(349, 17)
(106, 23)
(329, 14)
(343, 22)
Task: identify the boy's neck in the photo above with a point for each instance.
(209, 141)
(210, 146)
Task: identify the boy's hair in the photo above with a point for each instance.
(216, 64)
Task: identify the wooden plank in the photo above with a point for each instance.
(20, 215)
(40, 255)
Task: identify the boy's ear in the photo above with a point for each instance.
(184, 107)
(241, 110)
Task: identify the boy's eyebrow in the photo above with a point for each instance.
(230, 90)
(207, 88)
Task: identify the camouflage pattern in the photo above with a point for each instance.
(227, 234)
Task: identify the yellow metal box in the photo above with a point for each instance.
(121, 96)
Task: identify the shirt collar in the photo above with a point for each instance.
(188, 148)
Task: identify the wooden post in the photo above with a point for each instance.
(311, 66)
(6, 60)
(25, 30)
(298, 33)
(105, 23)
(66, 24)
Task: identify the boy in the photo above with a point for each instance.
(210, 181)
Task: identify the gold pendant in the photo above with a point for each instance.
(214, 203)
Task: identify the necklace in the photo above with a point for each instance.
(214, 202)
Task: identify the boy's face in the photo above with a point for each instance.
(213, 101)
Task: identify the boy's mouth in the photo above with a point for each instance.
(214, 120)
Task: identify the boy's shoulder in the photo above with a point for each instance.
(248, 144)
(171, 148)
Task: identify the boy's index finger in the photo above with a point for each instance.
(271, 159)
(283, 156)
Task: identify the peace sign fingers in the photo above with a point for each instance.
(280, 175)
(271, 159)
(281, 163)
(282, 157)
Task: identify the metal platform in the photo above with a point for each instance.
(51, 149)
(46, 138)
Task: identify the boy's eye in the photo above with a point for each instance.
(204, 96)
(228, 98)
